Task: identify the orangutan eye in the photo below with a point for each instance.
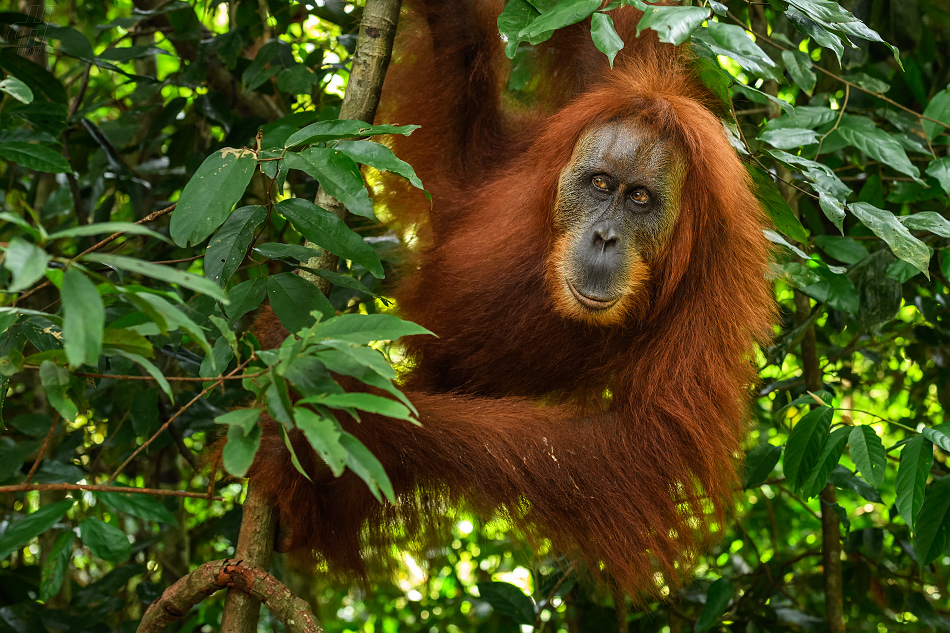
(600, 182)
(640, 196)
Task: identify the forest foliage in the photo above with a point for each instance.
(160, 160)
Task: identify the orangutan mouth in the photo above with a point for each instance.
(591, 303)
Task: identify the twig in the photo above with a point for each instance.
(39, 456)
(847, 93)
(91, 487)
(178, 413)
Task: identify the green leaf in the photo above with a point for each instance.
(887, 227)
(149, 368)
(366, 328)
(227, 248)
(927, 221)
(733, 42)
(206, 200)
(138, 505)
(379, 157)
(244, 438)
(364, 402)
(917, 458)
(17, 89)
(36, 157)
(605, 36)
(337, 174)
(55, 380)
(939, 109)
(844, 249)
(563, 14)
(56, 565)
(173, 317)
(776, 206)
(26, 262)
(844, 478)
(718, 597)
(673, 25)
(362, 462)
(101, 228)
(940, 169)
(838, 291)
(933, 523)
(19, 533)
(798, 65)
(293, 298)
(84, 318)
(507, 600)
(105, 541)
(877, 144)
(323, 131)
(804, 445)
(328, 231)
(760, 463)
(275, 250)
(245, 296)
(323, 433)
(788, 138)
(162, 273)
(827, 461)
(938, 436)
(867, 453)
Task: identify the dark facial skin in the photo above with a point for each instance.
(617, 204)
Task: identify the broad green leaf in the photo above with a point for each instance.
(379, 157)
(933, 523)
(345, 281)
(938, 436)
(844, 249)
(244, 419)
(27, 262)
(516, 16)
(798, 65)
(102, 228)
(877, 144)
(939, 109)
(277, 398)
(167, 274)
(293, 298)
(323, 433)
(141, 506)
(827, 461)
(17, 89)
(84, 318)
(804, 445)
(718, 597)
(227, 248)
(365, 328)
(328, 231)
(605, 36)
(323, 131)
(917, 458)
(55, 380)
(56, 565)
(238, 453)
(563, 14)
(867, 453)
(940, 169)
(367, 467)
(788, 138)
(173, 317)
(777, 207)
(833, 209)
(364, 402)
(733, 42)
(337, 174)
(245, 296)
(927, 221)
(36, 157)
(507, 600)
(206, 200)
(19, 532)
(105, 541)
(275, 250)
(887, 227)
(149, 368)
(673, 25)
(806, 117)
(760, 463)
(844, 478)
(838, 291)
(365, 356)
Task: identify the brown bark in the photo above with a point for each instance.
(176, 601)
(374, 47)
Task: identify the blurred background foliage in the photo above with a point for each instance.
(107, 111)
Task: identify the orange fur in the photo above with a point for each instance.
(511, 396)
